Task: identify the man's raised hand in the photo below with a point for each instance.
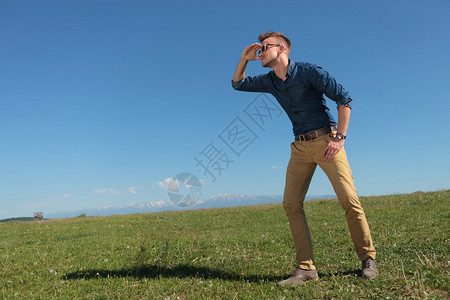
(248, 55)
(250, 52)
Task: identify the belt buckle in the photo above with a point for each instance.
(308, 137)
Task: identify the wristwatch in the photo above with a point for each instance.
(340, 136)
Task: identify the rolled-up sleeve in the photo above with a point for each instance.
(324, 82)
(250, 84)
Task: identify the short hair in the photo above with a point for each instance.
(269, 34)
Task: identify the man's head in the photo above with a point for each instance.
(274, 46)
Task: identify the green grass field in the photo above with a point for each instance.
(229, 253)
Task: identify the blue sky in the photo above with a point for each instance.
(102, 101)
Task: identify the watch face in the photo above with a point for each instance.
(339, 136)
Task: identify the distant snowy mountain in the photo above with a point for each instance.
(107, 210)
(228, 200)
(224, 200)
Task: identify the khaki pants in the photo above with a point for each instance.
(305, 156)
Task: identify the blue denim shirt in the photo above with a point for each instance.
(301, 94)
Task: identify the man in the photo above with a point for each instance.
(299, 88)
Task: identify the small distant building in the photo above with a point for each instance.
(38, 215)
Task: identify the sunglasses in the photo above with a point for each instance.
(265, 47)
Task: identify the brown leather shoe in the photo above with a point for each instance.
(369, 269)
(300, 276)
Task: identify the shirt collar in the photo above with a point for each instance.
(290, 69)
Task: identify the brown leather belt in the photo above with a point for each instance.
(314, 134)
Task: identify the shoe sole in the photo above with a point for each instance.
(369, 277)
(300, 283)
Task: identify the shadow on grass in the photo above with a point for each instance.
(184, 271)
(351, 273)
(179, 271)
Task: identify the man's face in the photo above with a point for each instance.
(271, 46)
